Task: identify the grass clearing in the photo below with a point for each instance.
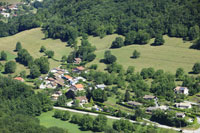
(32, 40)
(173, 54)
(11, 1)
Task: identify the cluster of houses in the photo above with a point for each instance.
(4, 10)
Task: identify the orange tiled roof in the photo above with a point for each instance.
(19, 78)
(67, 76)
(80, 68)
(78, 86)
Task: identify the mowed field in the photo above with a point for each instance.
(173, 54)
(11, 1)
(32, 40)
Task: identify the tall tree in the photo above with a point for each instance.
(3, 55)
(18, 46)
(10, 67)
(159, 40)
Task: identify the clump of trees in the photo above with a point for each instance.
(159, 40)
(117, 43)
(3, 55)
(109, 58)
(18, 46)
(196, 68)
(10, 67)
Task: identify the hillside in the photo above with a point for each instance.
(32, 40)
(169, 57)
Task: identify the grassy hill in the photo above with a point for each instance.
(11, 1)
(32, 40)
(173, 54)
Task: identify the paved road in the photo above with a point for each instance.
(117, 118)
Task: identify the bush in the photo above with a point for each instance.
(136, 54)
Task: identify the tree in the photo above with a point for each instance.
(66, 116)
(109, 58)
(159, 40)
(43, 64)
(99, 95)
(179, 73)
(18, 46)
(64, 58)
(117, 43)
(23, 74)
(86, 122)
(127, 96)
(136, 54)
(100, 123)
(1, 66)
(58, 114)
(61, 100)
(76, 119)
(130, 70)
(123, 125)
(196, 68)
(139, 113)
(3, 55)
(34, 71)
(10, 67)
(49, 53)
(42, 49)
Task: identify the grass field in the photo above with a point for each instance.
(173, 54)
(47, 120)
(11, 1)
(32, 40)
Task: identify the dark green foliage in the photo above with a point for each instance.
(1, 66)
(43, 64)
(58, 114)
(196, 44)
(64, 58)
(86, 122)
(159, 40)
(196, 68)
(10, 67)
(109, 58)
(23, 74)
(49, 53)
(94, 66)
(24, 57)
(127, 96)
(100, 123)
(42, 49)
(61, 100)
(139, 113)
(147, 73)
(76, 119)
(194, 32)
(3, 55)
(163, 85)
(136, 54)
(123, 126)
(192, 84)
(117, 43)
(18, 46)
(180, 73)
(34, 71)
(168, 118)
(66, 116)
(130, 70)
(99, 95)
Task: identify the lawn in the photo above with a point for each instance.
(173, 54)
(32, 40)
(11, 1)
(47, 120)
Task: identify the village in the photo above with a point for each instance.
(70, 84)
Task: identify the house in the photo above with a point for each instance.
(82, 99)
(101, 86)
(133, 103)
(67, 77)
(80, 78)
(6, 15)
(151, 109)
(13, 7)
(77, 60)
(180, 115)
(149, 97)
(78, 69)
(2, 9)
(181, 90)
(163, 107)
(183, 105)
(56, 95)
(19, 79)
(77, 87)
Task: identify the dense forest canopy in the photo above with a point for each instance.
(178, 18)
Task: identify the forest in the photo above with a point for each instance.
(18, 106)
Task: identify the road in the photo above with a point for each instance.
(117, 118)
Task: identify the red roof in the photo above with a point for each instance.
(78, 86)
(19, 79)
(80, 68)
(67, 77)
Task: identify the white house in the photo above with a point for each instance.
(183, 105)
(181, 90)
(101, 86)
(6, 15)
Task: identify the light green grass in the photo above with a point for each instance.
(11, 1)
(173, 54)
(32, 40)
